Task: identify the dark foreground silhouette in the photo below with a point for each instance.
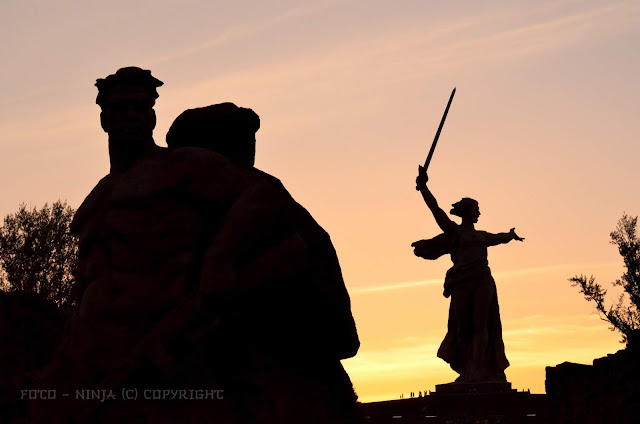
(205, 292)
(606, 392)
(473, 346)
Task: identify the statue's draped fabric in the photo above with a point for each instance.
(473, 345)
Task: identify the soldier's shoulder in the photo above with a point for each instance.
(196, 157)
(198, 164)
(210, 175)
(275, 182)
(301, 216)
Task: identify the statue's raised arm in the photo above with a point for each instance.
(444, 222)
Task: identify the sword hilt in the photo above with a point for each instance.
(422, 177)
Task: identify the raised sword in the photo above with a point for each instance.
(435, 140)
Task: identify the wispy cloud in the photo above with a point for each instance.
(397, 286)
(532, 343)
(539, 325)
(502, 274)
(248, 30)
(391, 55)
(399, 360)
(544, 340)
(400, 56)
(463, 39)
(493, 39)
(45, 129)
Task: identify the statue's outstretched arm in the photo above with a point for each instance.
(501, 238)
(444, 222)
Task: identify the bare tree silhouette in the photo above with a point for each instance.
(624, 316)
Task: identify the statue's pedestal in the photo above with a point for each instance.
(480, 388)
(464, 402)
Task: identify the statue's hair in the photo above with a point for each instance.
(224, 128)
(131, 76)
(463, 206)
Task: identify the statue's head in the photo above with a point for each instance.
(466, 208)
(224, 128)
(127, 99)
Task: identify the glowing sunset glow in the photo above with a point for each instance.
(543, 132)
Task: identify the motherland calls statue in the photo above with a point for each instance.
(204, 290)
(473, 346)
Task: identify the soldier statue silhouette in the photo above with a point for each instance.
(197, 274)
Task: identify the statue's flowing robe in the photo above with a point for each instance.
(473, 345)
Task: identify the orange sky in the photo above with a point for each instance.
(543, 132)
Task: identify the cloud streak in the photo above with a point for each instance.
(532, 343)
(246, 31)
(399, 54)
(418, 51)
(503, 274)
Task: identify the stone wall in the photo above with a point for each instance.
(606, 392)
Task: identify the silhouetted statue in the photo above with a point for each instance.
(473, 346)
(324, 328)
(196, 272)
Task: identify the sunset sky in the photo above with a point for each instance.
(543, 132)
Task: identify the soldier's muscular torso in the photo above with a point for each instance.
(143, 233)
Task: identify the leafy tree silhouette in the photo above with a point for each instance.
(624, 316)
(38, 252)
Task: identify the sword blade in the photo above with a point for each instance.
(435, 140)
